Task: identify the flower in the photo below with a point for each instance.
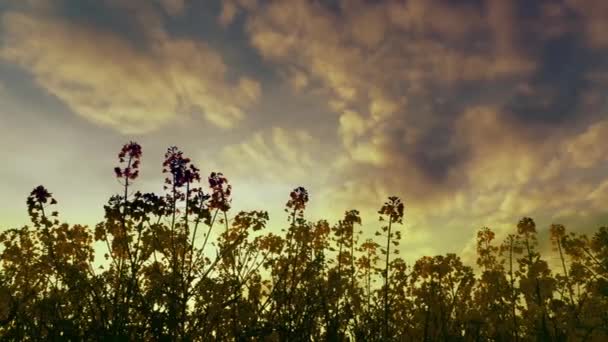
(181, 170)
(393, 208)
(220, 191)
(40, 194)
(130, 154)
(36, 202)
(298, 199)
(526, 226)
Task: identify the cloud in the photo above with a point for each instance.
(270, 163)
(401, 75)
(595, 14)
(35, 5)
(509, 177)
(377, 63)
(106, 79)
(504, 177)
(588, 149)
(274, 155)
(230, 9)
(174, 7)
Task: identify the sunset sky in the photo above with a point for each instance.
(475, 112)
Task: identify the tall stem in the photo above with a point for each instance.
(512, 280)
(386, 276)
(561, 256)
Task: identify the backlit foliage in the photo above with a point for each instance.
(183, 266)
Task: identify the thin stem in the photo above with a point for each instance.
(387, 275)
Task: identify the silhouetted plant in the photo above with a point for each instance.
(165, 274)
(391, 211)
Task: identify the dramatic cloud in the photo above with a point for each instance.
(381, 67)
(107, 79)
(464, 109)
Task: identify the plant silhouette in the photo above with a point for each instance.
(182, 266)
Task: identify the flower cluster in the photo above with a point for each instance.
(220, 191)
(181, 170)
(393, 208)
(526, 226)
(36, 203)
(351, 217)
(41, 195)
(198, 203)
(131, 154)
(298, 199)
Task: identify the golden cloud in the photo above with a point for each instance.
(230, 8)
(174, 7)
(380, 64)
(106, 79)
(276, 155)
(589, 148)
(373, 58)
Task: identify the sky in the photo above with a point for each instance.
(475, 112)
